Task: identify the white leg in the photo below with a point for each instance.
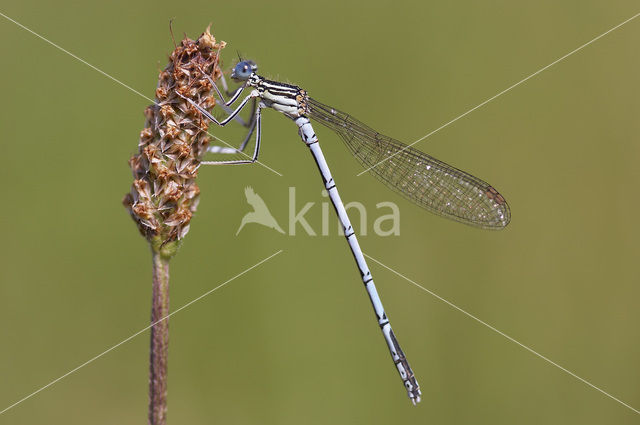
(234, 96)
(229, 150)
(224, 105)
(256, 152)
(253, 94)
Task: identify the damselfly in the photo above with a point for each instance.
(428, 182)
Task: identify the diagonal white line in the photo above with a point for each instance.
(75, 57)
(504, 91)
(116, 80)
(531, 350)
(138, 333)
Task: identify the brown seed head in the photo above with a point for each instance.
(164, 194)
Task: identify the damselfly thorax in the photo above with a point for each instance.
(286, 98)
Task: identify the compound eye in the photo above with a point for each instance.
(242, 71)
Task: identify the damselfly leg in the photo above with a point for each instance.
(256, 126)
(250, 123)
(243, 145)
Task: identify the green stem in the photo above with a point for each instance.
(159, 352)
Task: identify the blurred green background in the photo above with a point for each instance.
(294, 341)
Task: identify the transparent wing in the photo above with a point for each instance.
(424, 180)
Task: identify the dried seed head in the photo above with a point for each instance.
(164, 194)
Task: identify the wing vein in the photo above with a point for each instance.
(428, 182)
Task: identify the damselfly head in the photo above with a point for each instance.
(243, 70)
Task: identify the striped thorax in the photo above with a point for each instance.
(286, 98)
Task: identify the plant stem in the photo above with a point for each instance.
(159, 352)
